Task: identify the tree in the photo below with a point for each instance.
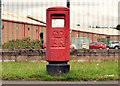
(118, 27)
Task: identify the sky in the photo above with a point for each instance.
(82, 12)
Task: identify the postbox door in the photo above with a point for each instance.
(58, 46)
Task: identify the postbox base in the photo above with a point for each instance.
(57, 69)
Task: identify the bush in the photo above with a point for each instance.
(106, 41)
(25, 43)
(118, 27)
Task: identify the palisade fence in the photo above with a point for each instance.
(23, 28)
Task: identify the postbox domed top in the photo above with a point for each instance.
(58, 8)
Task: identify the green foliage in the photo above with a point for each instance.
(79, 71)
(103, 40)
(118, 27)
(25, 43)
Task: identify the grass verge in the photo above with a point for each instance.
(79, 71)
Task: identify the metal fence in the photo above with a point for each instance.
(90, 20)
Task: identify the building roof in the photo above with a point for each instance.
(14, 17)
(106, 31)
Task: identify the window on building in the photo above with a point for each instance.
(17, 28)
(41, 35)
(28, 28)
(2, 27)
(36, 30)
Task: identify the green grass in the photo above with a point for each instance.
(79, 71)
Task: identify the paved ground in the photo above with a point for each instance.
(59, 82)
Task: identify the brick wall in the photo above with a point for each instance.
(31, 31)
(93, 36)
(114, 38)
(44, 34)
(28, 55)
(90, 37)
(74, 34)
(14, 30)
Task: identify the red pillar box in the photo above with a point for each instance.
(58, 40)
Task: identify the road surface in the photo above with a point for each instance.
(60, 83)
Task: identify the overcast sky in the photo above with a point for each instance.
(83, 12)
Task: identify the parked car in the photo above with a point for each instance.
(44, 46)
(97, 45)
(72, 46)
(114, 45)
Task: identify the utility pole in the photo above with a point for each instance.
(68, 3)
